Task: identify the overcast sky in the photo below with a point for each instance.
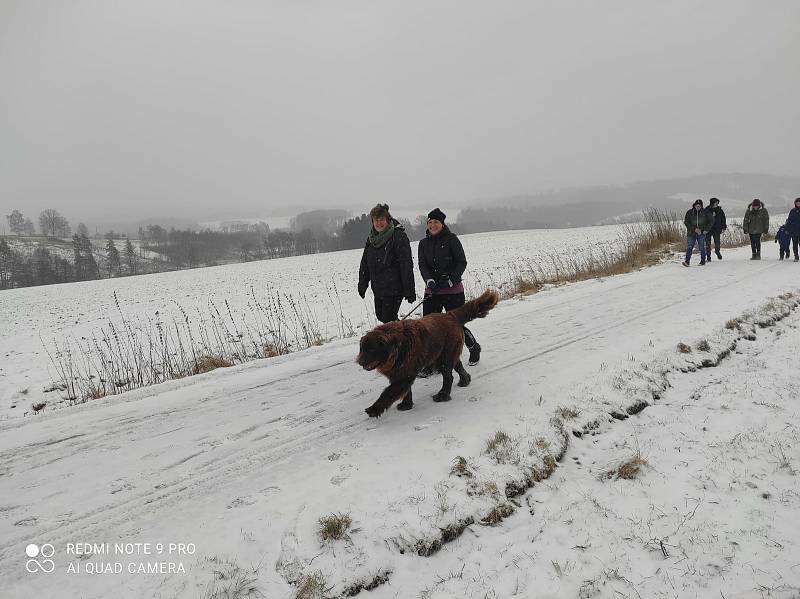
(159, 107)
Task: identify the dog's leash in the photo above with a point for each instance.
(414, 309)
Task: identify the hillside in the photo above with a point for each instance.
(584, 206)
(241, 463)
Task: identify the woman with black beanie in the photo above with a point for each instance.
(442, 263)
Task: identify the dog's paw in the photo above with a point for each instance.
(373, 411)
(442, 397)
(464, 381)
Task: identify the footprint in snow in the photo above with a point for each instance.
(271, 490)
(431, 422)
(241, 502)
(121, 485)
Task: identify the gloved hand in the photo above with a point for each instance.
(444, 281)
(430, 284)
(362, 291)
(697, 231)
(411, 297)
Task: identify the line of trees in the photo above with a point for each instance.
(161, 249)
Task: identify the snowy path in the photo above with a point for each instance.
(231, 459)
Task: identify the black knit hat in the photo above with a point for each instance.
(696, 202)
(756, 202)
(713, 201)
(437, 214)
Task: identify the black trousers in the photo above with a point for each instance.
(715, 235)
(386, 307)
(755, 242)
(434, 304)
(795, 243)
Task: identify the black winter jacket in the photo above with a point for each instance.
(718, 215)
(389, 269)
(441, 254)
(793, 222)
(697, 219)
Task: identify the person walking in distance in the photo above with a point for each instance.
(387, 265)
(718, 225)
(793, 227)
(697, 222)
(442, 264)
(756, 224)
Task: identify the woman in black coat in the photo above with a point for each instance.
(386, 265)
(442, 263)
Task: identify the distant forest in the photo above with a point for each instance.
(30, 257)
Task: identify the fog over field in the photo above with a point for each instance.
(116, 111)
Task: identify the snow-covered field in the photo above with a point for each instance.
(239, 464)
(33, 318)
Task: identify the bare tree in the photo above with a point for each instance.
(52, 224)
(16, 222)
(130, 256)
(83, 230)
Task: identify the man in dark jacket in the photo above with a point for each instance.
(718, 225)
(387, 265)
(442, 263)
(793, 226)
(697, 222)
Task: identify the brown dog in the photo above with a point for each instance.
(400, 349)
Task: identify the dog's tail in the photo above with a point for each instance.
(477, 308)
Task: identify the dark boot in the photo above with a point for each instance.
(719, 256)
(474, 354)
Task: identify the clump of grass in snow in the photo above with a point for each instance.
(703, 345)
(565, 413)
(208, 363)
(312, 586)
(461, 467)
(502, 448)
(334, 526)
(684, 349)
(232, 582)
(629, 469)
(38, 407)
(733, 323)
(497, 514)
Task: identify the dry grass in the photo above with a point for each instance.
(733, 323)
(38, 407)
(629, 469)
(232, 582)
(208, 363)
(334, 526)
(312, 586)
(565, 413)
(703, 345)
(127, 354)
(502, 448)
(497, 514)
(461, 467)
(642, 244)
(684, 349)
